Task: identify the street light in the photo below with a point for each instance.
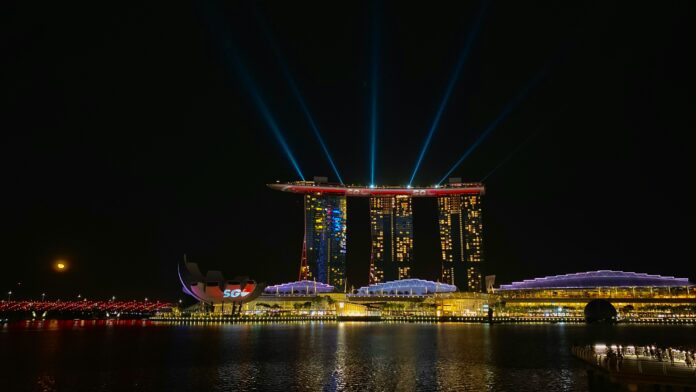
(43, 296)
(9, 296)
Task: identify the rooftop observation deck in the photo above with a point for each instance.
(467, 188)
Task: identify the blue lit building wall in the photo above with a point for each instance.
(325, 236)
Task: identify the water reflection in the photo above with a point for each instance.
(337, 380)
(350, 356)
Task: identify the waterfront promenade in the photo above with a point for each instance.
(639, 368)
(211, 317)
(80, 309)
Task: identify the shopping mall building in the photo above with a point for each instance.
(634, 296)
(627, 296)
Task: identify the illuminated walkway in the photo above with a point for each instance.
(636, 370)
(83, 305)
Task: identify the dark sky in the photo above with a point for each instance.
(129, 139)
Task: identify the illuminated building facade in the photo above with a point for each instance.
(461, 240)
(405, 287)
(635, 296)
(324, 253)
(391, 226)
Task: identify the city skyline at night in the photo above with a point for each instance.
(108, 162)
(372, 195)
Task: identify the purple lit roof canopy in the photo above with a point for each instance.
(594, 279)
(300, 287)
(406, 287)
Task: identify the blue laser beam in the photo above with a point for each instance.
(501, 117)
(521, 145)
(269, 119)
(476, 27)
(512, 153)
(298, 95)
(373, 94)
(232, 57)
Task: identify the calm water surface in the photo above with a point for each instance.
(145, 356)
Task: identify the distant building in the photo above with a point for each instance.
(461, 240)
(391, 228)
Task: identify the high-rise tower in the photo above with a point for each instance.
(325, 239)
(461, 244)
(391, 226)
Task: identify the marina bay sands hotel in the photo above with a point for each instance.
(391, 227)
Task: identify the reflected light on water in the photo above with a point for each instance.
(311, 356)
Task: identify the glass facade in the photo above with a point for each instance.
(324, 253)
(461, 240)
(391, 227)
(403, 216)
(633, 303)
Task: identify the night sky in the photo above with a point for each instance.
(129, 138)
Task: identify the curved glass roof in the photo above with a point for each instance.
(407, 287)
(602, 278)
(299, 287)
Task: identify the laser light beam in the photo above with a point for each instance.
(298, 95)
(501, 117)
(232, 57)
(450, 87)
(373, 93)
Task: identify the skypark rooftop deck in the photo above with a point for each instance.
(363, 191)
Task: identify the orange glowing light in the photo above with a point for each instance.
(60, 266)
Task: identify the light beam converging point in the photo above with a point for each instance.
(501, 117)
(450, 87)
(518, 148)
(512, 153)
(231, 55)
(298, 95)
(373, 94)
